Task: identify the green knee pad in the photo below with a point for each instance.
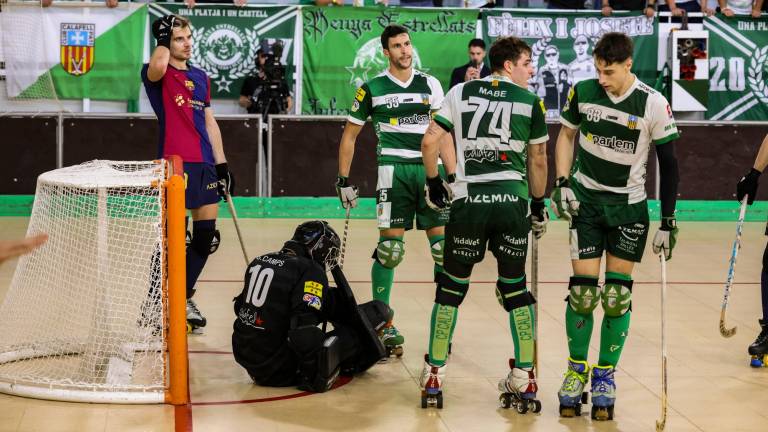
(617, 294)
(437, 246)
(390, 252)
(584, 294)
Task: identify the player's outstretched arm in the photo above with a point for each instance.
(13, 248)
(162, 30)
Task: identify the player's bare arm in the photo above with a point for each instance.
(214, 133)
(448, 155)
(564, 151)
(167, 33)
(537, 169)
(433, 144)
(347, 147)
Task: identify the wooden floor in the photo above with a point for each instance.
(712, 388)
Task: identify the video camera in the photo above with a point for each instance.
(270, 97)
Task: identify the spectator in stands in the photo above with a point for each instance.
(14, 248)
(191, 3)
(678, 6)
(627, 5)
(109, 3)
(730, 8)
(475, 68)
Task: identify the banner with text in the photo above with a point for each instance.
(226, 38)
(738, 68)
(342, 49)
(562, 42)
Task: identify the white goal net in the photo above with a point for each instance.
(84, 318)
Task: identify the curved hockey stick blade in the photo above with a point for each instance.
(725, 332)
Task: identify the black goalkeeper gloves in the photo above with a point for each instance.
(162, 30)
(226, 184)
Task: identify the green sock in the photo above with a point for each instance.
(382, 279)
(578, 328)
(522, 324)
(442, 324)
(614, 331)
(437, 252)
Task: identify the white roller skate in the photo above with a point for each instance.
(603, 392)
(519, 389)
(431, 383)
(571, 393)
(195, 320)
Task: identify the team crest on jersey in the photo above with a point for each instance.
(77, 48)
(189, 84)
(425, 99)
(632, 122)
(355, 105)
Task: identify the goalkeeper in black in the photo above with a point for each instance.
(279, 334)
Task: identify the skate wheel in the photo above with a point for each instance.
(534, 406)
(577, 411)
(424, 403)
(602, 413)
(439, 398)
(568, 411)
(757, 361)
(521, 406)
(584, 397)
(190, 329)
(505, 401)
(398, 351)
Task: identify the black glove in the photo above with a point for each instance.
(748, 186)
(162, 30)
(450, 178)
(226, 180)
(437, 193)
(539, 217)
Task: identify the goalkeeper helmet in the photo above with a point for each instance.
(320, 241)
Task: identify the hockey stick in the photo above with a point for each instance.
(344, 239)
(535, 292)
(661, 423)
(237, 227)
(728, 332)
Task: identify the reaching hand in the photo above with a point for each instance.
(666, 237)
(226, 180)
(539, 217)
(437, 193)
(347, 193)
(162, 30)
(564, 201)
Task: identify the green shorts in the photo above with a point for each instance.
(488, 216)
(620, 230)
(400, 197)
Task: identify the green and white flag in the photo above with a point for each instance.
(562, 42)
(342, 49)
(225, 40)
(87, 52)
(738, 68)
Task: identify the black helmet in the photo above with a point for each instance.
(321, 242)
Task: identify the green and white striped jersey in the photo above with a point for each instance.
(615, 134)
(494, 121)
(400, 111)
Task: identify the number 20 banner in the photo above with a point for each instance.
(738, 68)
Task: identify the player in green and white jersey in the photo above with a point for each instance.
(400, 102)
(617, 118)
(500, 130)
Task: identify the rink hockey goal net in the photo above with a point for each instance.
(97, 313)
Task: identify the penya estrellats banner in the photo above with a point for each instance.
(738, 68)
(226, 39)
(342, 49)
(562, 43)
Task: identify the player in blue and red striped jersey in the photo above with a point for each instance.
(180, 95)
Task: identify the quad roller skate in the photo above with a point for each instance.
(603, 392)
(518, 390)
(571, 393)
(195, 320)
(759, 348)
(431, 383)
(392, 340)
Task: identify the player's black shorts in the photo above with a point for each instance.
(201, 181)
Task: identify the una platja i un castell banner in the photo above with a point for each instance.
(562, 43)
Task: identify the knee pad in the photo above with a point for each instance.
(513, 295)
(617, 297)
(437, 249)
(449, 292)
(205, 241)
(584, 294)
(389, 252)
